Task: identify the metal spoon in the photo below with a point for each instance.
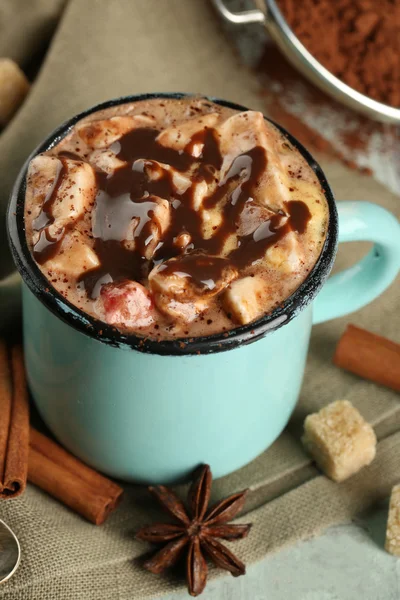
(10, 552)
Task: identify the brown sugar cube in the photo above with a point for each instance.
(392, 543)
(14, 86)
(339, 439)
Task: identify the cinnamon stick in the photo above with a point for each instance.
(14, 423)
(370, 356)
(69, 480)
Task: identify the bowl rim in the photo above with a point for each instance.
(275, 22)
(101, 331)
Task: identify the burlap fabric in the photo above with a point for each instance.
(103, 49)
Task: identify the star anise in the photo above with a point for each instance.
(197, 532)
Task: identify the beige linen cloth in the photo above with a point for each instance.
(103, 49)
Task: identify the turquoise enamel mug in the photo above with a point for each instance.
(147, 411)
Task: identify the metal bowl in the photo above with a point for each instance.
(270, 16)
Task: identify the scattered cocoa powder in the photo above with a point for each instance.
(356, 40)
(321, 124)
(280, 80)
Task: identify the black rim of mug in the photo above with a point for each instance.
(107, 334)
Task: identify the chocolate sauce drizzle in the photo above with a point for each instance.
(47, 245)
(129, 194)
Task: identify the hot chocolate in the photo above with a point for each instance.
(174, 218)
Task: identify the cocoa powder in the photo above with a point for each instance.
(285, 89)
(356, 40)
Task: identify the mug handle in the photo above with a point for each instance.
(358, 285)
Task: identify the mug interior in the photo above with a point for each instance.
(108, 334)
